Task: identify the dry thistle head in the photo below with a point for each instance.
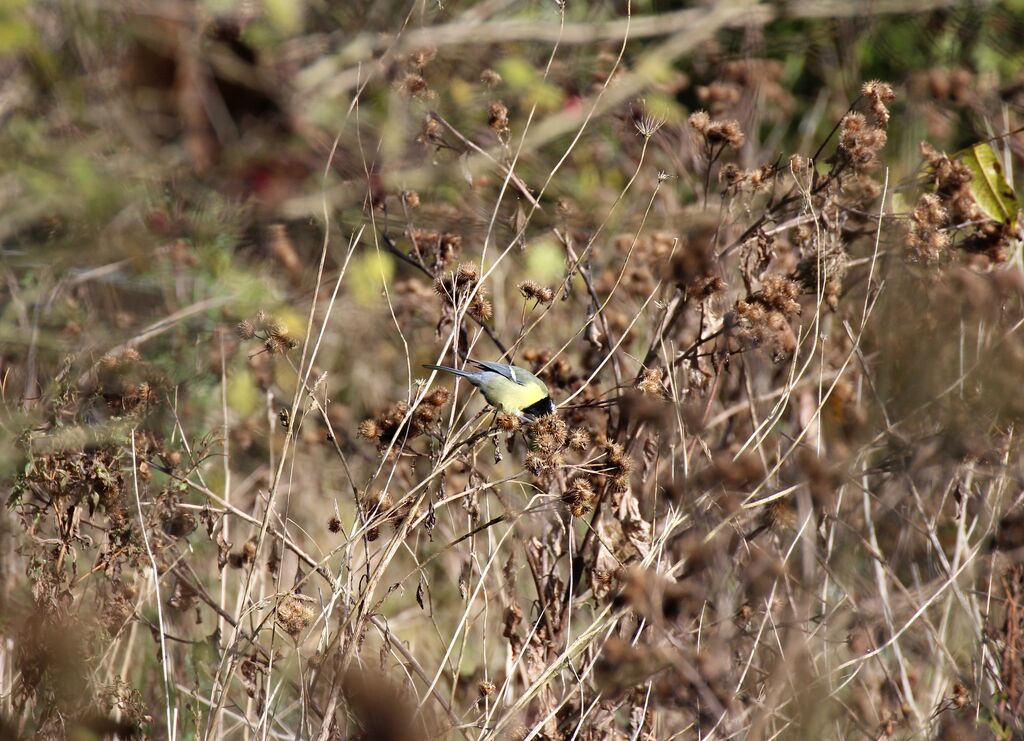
(459, 282)
(727, 133)
(369, 429)
(295, 613)
(490, 78)
(438, 397)
(467, 274)
(699, 121)
(618, 465)
(540, 294)
(422, 418)
(579, 439)
(508, 422)
(878, 94)
(926, 239)
(547, 435)
(481, 309)
(278, 343)
(245, 330)
(497, 118)
(387, 426)
(422, 57)
(411, 199)
(265, 322)
(579, 496)
(413, 86)
(431, 132)
(719, 95)
(860, 142)
(779, 293)
(535, 463)
(377, 505)
(650, 382)
(448, 247)
(779, 514)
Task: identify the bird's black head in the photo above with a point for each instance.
(542, 408)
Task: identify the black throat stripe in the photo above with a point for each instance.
(540, 408)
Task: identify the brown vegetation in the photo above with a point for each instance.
(777, 301)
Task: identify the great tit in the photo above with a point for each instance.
(508, 388)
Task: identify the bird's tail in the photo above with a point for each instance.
(453, 371)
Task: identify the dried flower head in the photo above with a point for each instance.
(422, 57)
(414, 86)
(534, 463)
(579, 439)
(878, 94)
(490, 78)
(467, 274)
(245, 330)
(481, 309)
(431, 132)
(295, 613)
(265, 322)
(438, 397)
(548, 434)
(579, 496)
(926, 240)
(779, 293)
(618, 465)
(369, 429)
(508, 422)
(648, 125)
(497, 118)
(537, 292)
(727, 133)
(650, 382)
(278, 343)
(699, 121)
(860, 142)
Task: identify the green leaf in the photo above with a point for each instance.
(988, 186)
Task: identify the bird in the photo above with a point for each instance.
(507, 388)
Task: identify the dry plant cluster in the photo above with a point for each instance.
(778, 303)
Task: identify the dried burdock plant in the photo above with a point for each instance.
(269, 331)
(778, 494)
(295, 613)
(860, 142)
(536, 292)
(497, 119)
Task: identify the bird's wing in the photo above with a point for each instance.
(501, 369)
(471, 375)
